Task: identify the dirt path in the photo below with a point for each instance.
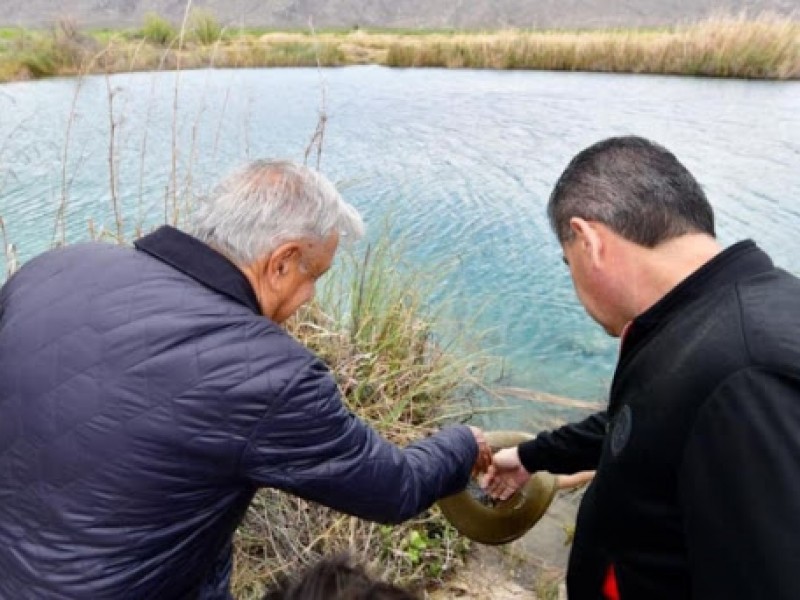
(532, 568)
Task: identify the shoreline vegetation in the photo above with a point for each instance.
(370, 325)
(766, 46)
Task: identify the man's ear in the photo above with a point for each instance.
(588, 238)
(280, 263)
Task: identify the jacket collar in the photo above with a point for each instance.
(200, 262)
(737, 262)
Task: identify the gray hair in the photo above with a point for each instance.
(268, 203)
(633, 186)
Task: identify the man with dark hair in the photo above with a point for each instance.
(697, 490)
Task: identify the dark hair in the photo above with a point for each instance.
(633, 186)
(337, 579)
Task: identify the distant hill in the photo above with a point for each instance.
(427, 14)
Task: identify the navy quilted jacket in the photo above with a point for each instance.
(143, 400)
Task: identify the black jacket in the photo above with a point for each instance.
(144, 399)
(697, 493)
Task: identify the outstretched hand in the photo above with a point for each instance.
(505, 475)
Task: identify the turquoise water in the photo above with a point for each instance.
(463, 161)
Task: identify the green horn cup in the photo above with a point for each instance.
(508, 520)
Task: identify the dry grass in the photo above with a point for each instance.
(764, 47)
(372, 330)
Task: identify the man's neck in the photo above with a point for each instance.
(659, 270)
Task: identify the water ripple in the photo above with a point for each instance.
(463, 161)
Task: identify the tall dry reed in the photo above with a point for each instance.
(766, 46)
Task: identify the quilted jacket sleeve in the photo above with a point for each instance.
(310, 445)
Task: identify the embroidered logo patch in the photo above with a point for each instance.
(621, 430)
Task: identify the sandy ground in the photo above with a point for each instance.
(530, 568)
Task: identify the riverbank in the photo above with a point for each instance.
(761, 47)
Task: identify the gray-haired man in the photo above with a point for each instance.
(145, 397)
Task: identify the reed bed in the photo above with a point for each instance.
(759, 47)
(767, 47)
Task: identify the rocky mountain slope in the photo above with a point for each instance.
(429, 14)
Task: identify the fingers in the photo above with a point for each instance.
(507, 475)
(483, 461)
(502, 488)
(485, 480)
(484, 458)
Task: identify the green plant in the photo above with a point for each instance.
(157, 29)
(205, 27)
(40, 58)
(61, 50)
(422, 547)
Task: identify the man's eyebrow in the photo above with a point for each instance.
(564, 260)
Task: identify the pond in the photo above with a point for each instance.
(460, 162)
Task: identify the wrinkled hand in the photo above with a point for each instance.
(505, 475)
(484, 458)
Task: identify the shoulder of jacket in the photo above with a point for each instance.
(769, 307)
